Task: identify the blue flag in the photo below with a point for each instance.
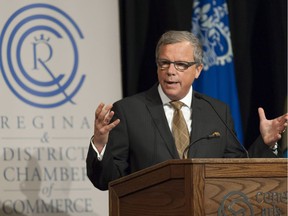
(210, 23)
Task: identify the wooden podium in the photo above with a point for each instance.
(203, 187)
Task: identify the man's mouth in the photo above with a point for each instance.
(171, 82)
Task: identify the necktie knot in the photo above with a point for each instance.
(177, 105)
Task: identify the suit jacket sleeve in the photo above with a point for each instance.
(111, 166)
(260, 150)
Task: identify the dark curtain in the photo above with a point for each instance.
(259, 38)
(142, 23)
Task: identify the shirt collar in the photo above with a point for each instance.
(187, 100)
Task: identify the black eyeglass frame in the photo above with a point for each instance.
(184, 64)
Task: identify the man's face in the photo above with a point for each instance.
(176, 84)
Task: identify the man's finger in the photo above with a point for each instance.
(109, 117)
(98, 110)
(112, 125)
(261, 113)
(115, 123)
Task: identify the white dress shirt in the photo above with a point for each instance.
(169, 110)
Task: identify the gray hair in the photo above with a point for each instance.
(172, 37)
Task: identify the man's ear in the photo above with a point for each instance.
(198, 70)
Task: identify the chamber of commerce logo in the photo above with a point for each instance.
(213, 31)
(39, 57)
(235, 203)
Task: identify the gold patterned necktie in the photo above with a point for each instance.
(179, 128)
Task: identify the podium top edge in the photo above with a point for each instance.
(224, 161)
(231, 160)
(205, 161)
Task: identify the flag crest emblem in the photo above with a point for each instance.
(210, 23)
(213, 31)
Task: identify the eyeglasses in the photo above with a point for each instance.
(179, 65)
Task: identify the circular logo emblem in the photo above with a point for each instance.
(235, 203)
(39, 56)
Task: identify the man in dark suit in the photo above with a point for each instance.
(135, 132)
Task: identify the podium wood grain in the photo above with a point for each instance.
(199, 186)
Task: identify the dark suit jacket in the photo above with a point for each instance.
(143, 137)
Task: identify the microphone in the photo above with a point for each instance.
(215, 134)
(197, 95)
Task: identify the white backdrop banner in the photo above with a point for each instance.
(58, 60)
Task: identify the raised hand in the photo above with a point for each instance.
(102, 125)
(271, 130)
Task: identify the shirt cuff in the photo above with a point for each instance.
(274, 148)
(99, 155)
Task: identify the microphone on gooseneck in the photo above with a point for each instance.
(215, 134)
(197, 95)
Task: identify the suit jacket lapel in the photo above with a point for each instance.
(200, 119)
(197, 124)
(155, 107)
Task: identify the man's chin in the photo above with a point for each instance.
(172, 94)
